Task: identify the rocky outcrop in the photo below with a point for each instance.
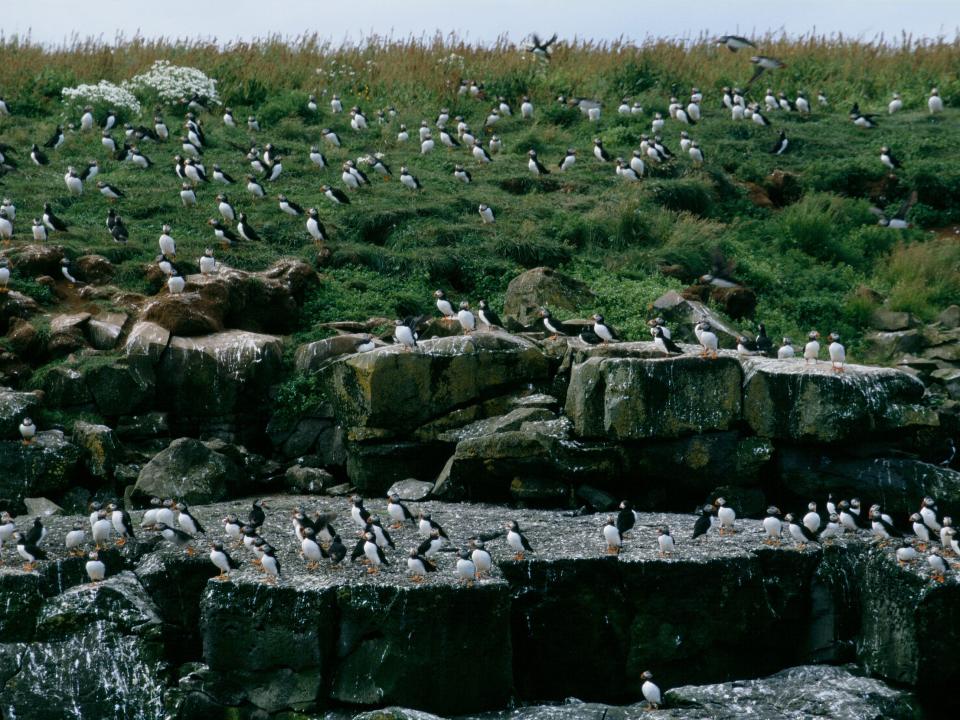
(312, 356)
(46, 466)
(14, 406)
(543, 287)
(187, 469)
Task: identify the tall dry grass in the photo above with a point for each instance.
(419, 66)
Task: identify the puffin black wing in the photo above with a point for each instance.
(490, 316)
(590, 337)
(428, 565)
(764, 343)
(810, 536)
(424, 546)
(702, 525)
(231, 563)
(625, 520)
(670, 345)
(358, 549)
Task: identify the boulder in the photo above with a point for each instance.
(24, 339)
(312, 356)
(637, 398)
(94, 269)
(398, 390)
(682, 314)
(100, 448)
(218, 374)
(143, 427)
(21, 595)
(46, 466)
(889, 347)
(14, 304)
(14, 406)
(189, 313)
(41, 507)
(65, 386)
(188, 470)
(104, 330)
(307, 480)
(121, 386)
(792, 400)
(950, 317)
(372, 467)
(411, 489)
(950, 379)
(147, 339)
(543, 287)
(890, 321)
(32, 260)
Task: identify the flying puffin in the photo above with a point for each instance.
(540, 49)
(733, 43)
(762, 63)
(517, 540)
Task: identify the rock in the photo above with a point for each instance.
(950, 379)
(341, 490)
(411, 489)
(24, 339)
(189, 313)
(682, 314)
(842, 693)
(14, 406)
(189, 470)
(41, 507)
(889, 347)
(44, 467)
(32, 260)
(307, 480)
(950, 317)
(311, 356)
(372, 467)
(596, 499)
(104, 330)
(68, 323)
(147, 339)
(15, 305)
(94, 269)
(100, 448)
(143, 427)
(635, 398)
(218, 374)
(65, 386)
(22, 594)
(790, 400)
(122, 386)
(260, 302)
(120, 600)
(397, 390)
(889, 321)
(736, 302)
(543, 287)
(109, 673)
(807, 474)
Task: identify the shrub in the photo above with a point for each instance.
(692, 196)
(924, 277)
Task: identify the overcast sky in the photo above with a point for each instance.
(53, 21)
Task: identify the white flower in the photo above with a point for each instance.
(173, 82)
(105, 92)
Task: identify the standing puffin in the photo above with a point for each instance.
(786, 351)
(811, 351)
(466, 569)
(838, 354)
(707, 338)
(663, 343)
(602, 330)
(535, 166)
(772, 526)
(373, 553)
(799, 532)
(418, 566)
(444, 305)
(95, 568)
(222, 561)
(665, 541)
(726, 515)
(487, 316)
(397, 511)
(704, 522)
(612, 536)
(781, 145)
(517, 540)
(599, 152)
(27, 430)
(404, 333)
(651, 693)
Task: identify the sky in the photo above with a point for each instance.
(52, 22)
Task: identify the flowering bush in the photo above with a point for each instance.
(103, 93)
(173, 82)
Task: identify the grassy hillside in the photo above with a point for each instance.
(807, 251)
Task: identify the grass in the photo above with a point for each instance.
(390, 248)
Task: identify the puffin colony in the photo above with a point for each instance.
(327, 541)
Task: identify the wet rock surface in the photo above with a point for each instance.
(566, 620)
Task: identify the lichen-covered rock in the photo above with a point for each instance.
(187, 469)
(307, 480)
(100, 448)
(14, 406)
(46, 466)
(189, 313)
(312, 356)
(14, 304)
(543, 287)
(94, 269)
(637, 398)
(681, 314)
(36, 259)
(795, 401)
(218, 374)
(396, 389)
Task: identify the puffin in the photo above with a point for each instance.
(812, 519)
(208, 265)
(935, 102)
(95, 568)
(626, 517)
(73, 541)
(651, 692)
(906, 554)
(534, 164)
(360, 515)
(222, 561)
(762, 63)
(707, 338)
(599, 152)
(838, 354)
(663, 343)
(373, 553)
(110, 192)
(860, 119)
(187, 195)
(799, 532)
(461, 174)
(404, 333)
(122, 523)
(233, 529)
(175, 536)
(6, 227)
(310, 548)
(27, 430)
(288, 206)
(487, 316)
(733, 43)
(335, 195)
(704, 521)
(337, 551)
(224, 234)
(486, 214)
(882, 524)
(28, 551)
(37, 532)
(928, 511)
(937, 565)
(539, 49)
(335, 105)
(665, 541)
(408, 180)
(811, 351)
(381, 536)
(888, 159)
(480, 153)
(612, 536)
(517, 541)
(526, 108)
(257, 516)
(772, 526)
(100, 529)
(552, 326)
(602, 330)
(568, 160)
(398, 511)
(90, 171)
(482, 561)
(726, 515)
(74, 183)
(781, 145)
(432, 545)
(222, 177)
(920, 530)
(56, 140)
(4, 275)
(466, 318)
(270, 564)
(187, 522)
(418, 566)
(245, 229)
(466, 569)
(426, 525)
